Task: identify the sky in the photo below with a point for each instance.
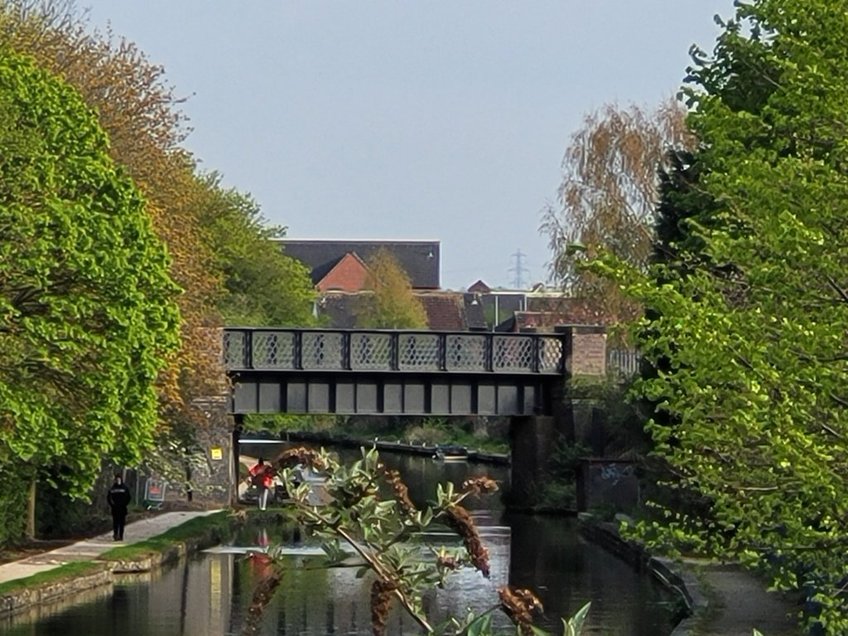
(441, 120)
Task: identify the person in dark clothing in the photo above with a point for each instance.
(118, 499)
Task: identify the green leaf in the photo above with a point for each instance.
(479, 626)
(574, 625)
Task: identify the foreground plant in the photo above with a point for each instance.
(365, 519)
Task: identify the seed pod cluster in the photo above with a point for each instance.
(382, 593)
(460, 521)
(399, 487)
(519, 604)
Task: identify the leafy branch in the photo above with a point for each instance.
(364, 509)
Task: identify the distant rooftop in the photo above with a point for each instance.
(419, 259)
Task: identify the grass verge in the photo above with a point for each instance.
(66, 572)
(200, 530)
(209, 528)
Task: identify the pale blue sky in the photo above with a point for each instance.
(416, 120)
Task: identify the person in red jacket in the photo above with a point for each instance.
(262, 476)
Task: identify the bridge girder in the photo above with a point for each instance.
(392, 394)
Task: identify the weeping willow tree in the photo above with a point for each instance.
(607, 198)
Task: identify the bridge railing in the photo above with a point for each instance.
(624, 363)
(404, 351)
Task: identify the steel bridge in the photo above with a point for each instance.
(382, 372)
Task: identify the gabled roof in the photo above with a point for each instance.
(419, 259)
(480, 287)
(349, 274)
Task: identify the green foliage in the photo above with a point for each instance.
(13, 501)
(410, 430)
(264, 286)
(87, 311)
(285, 422)
(392, 305)
(746, 317)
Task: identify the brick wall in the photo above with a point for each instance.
(349, 275)
(585, 349)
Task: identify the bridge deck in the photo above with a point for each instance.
(397, 372)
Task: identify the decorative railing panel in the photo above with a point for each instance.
(419, 352)
(370, 351)
(322, 350)
(624, 362)
(236, 355)
(465, 352)
(273, 350)
(403, 351)
(514, 353)
(550, 355)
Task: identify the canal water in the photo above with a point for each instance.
(209, 594)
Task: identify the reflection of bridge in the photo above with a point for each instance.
(393, 372)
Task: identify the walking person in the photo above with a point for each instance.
(262, 476)
(118, 499)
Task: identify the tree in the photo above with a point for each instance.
(392, 305)
(263, 286)
(748, 314)
(139, 111)
(607, 197)
(87, 309)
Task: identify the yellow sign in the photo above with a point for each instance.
(216, 452)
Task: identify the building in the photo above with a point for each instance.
(340, 265)
(339, 271)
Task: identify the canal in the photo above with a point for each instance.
(209, 594)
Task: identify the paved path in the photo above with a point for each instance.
(732, 602)
(94, 547)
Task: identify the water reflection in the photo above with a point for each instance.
(208, 595)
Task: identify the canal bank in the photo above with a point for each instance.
(724, 601)
(57, 575)
(721, 599)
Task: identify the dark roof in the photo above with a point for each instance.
(446, 311)
(475, 317)
(419, 259)
(547, 313)
(339, 310)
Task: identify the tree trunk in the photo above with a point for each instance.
(30, 526)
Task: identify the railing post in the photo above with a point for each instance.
(248, 348)
(489, 353)
(443, 352)
(346, 351)
(394, 351)
(537, 354)
(297, 362)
